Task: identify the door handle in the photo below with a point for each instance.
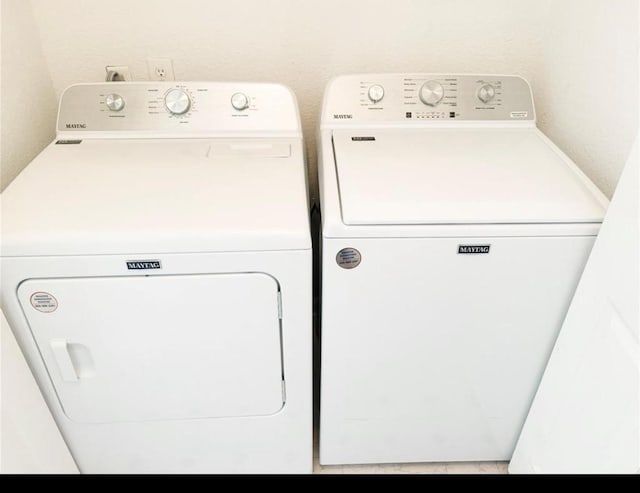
(63, 359)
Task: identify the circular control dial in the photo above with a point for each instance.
(376, 93)
(177, 102)
(486, 93)
(431, 93)
(114, 102)
(240, 101)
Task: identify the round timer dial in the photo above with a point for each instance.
(432, 93)
(177, 102)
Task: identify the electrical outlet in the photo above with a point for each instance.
(117, 73)
(160, 69)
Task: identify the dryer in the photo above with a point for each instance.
(156, 272)
(453, 237)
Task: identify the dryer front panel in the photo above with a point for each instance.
(159, 347)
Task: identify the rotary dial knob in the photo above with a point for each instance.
(177, 102)
(240, 101)
(431, 93)
(376, 93)
(486, 93)
(114, 102)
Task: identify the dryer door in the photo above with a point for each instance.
(159, 347)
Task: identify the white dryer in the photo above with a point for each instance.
(156, 272)
(453, 237)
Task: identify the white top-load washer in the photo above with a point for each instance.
(453, 237)
(156, 272)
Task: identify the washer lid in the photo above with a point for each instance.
(459, 176)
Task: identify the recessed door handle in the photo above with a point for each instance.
(63, 359)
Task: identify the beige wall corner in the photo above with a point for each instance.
(587, 89)
(27, 99)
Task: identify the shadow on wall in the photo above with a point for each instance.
(27, 101)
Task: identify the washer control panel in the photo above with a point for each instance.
(178, 107)
(427, 97)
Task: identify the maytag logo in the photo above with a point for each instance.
(343, 117)
(143, 264)
(76, 125)
(473, 249)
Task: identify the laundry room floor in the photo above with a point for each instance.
(419, 468)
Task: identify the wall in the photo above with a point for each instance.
(301, 43)
(578, 55)
(30, 441)
(587, 91)
(28, 103)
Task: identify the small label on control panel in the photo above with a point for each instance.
(519, 114)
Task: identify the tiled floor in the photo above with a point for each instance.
(424, 468)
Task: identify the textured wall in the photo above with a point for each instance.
(578, 54)
(301, 43)
(27, 101)
(588, 87)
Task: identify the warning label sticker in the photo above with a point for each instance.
(348, 258)
(44, 302)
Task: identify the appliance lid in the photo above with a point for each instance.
(112, 196)
(459, 176)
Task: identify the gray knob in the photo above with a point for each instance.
(376, 93)
(177, 102)
(486, 93)
(431, 93)
(240, 101)
(114, 102)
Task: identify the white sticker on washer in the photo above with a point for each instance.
(44, 302)
(519, 114)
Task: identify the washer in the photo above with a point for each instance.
(156, 265)
(454, 234)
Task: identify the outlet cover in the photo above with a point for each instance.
(160, 69)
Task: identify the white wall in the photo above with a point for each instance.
(572, 51)
(301, 43)
(587, 91)
(578, 54)
(27, 101)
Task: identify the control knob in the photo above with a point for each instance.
(431, 93)
(376, 93)
(240, 101)
(486, 93)
(114, 102)
(177, 102)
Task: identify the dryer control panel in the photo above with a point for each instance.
(427, 98)
(178, 108)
